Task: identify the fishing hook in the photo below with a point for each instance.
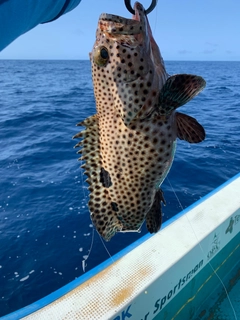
(130, 9)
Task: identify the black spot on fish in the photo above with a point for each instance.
(118, 175)
(105, 178)
(114, 206)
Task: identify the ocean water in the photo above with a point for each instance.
(45, 227)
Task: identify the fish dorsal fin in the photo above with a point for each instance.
(178, 90)
(189, 129)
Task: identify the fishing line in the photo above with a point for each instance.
(156, 16)
(81, 170)
(105, 247)
(84, 265)
(85, 258)
(204, 253)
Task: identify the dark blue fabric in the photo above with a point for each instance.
(19, 16)
(60, 13)
(1, 1)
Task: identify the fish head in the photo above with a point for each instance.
(127, 64)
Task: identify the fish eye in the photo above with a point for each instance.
(104, 53)
(101, 56)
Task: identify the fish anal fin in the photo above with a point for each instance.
(189, 129)
(154, 215)
(178, 90)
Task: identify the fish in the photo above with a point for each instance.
(128, 146)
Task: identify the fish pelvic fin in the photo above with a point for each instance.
(178, 90)
(189, 129)
(154, 215)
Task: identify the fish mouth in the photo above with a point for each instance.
(116, 26)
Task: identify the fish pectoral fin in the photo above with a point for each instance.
(189, 129)
(154, 215)
(178, 90)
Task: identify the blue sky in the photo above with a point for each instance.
(183, 29)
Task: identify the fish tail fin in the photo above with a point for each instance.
(178, 90)
(154, 215)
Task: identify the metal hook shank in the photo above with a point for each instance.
(130, 9)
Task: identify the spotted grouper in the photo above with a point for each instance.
(129, 144)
